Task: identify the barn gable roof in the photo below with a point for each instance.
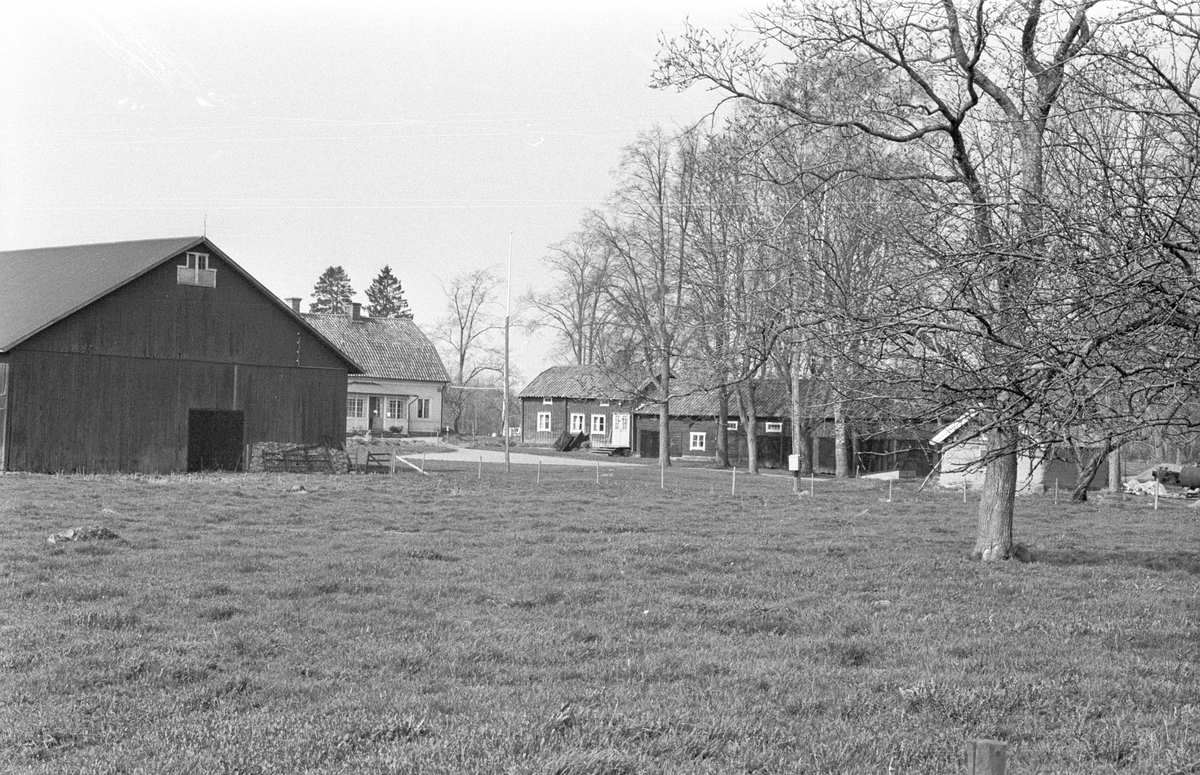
(585, 383)
(387, 348)
(41, 286)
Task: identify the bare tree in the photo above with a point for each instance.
(926, 69)
(466, 332)
(647, 230)
(577, 307)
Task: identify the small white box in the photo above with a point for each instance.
(793, 462)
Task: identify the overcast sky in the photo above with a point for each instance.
(309, 135)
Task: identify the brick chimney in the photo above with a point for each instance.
(295, 302)
(355, 311)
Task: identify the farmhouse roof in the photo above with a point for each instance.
(387, 348)
(581, 382)
(41, 286)
(771, 399)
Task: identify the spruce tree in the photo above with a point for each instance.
(387, 297)
(332, 292)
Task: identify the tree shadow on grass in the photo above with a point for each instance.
(1159, 561)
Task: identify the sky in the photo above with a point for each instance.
(433, 138)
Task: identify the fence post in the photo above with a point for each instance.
(889, 490)
(734, 480)
(986, 757)
(539, 481)
(480, 475)
(597, 472)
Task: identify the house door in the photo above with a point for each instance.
(215, 440)
(376, 415)
(648, 444)
(620, 430)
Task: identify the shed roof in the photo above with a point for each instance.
(581, 382)
(387, 348)
(41, 286)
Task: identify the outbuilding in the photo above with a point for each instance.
(155, 356)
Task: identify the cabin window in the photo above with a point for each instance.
(604, 402)
(731, 425)
(698, 441)
(774, 427)
(395, 409)
(599, 423)
(196, 261)
(423, 412)
(543, 422)
(355, 407)
(548, 400)
(577, 423)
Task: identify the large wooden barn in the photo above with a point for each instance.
(155, 356)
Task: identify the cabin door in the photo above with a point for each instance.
(620, 430)
(376, 415)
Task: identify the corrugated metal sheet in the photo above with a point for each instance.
(387, 348)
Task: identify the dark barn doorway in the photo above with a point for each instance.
(215, 440)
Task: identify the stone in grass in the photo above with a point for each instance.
(88, 533)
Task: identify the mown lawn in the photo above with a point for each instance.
(376, 624)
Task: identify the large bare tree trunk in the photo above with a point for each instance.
(841, 449)
(994, 538)
(748, 410)
(1114, 470)
(723, 428)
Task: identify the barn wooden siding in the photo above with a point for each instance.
(109, 387)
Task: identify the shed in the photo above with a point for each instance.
(155, 356)
(1039, 468)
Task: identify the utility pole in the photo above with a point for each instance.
(507, 313)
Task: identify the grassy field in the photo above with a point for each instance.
(376, 624)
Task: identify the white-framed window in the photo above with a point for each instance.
(395, 409)
(194, 271)
(774, 427)
(731, 425)
(604, 402)
(548, 400)
(423, 412)
(599, 423)
(355, 406)
(698, 441)
(543, 422)
(577, 423)
(196, 260)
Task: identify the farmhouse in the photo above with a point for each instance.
(695, 414)
(613, 411)
(155, 356)
(592, 400)
(873, 445)
(403, 379)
